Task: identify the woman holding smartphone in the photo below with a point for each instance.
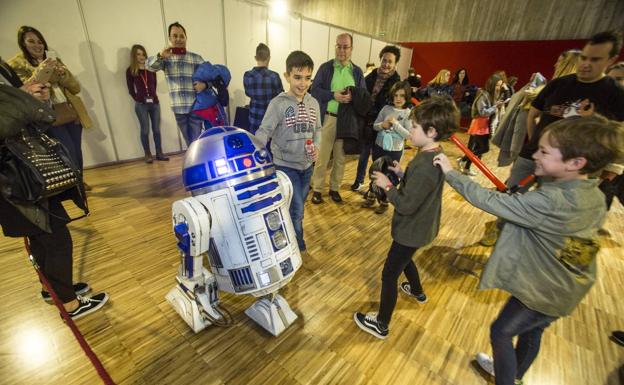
(71, 113)
(142, 88)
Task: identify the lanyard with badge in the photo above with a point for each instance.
(148, 99)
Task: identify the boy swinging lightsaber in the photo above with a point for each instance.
(500, 186)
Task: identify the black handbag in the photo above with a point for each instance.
(34, 167)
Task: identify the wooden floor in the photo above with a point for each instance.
(126, 247)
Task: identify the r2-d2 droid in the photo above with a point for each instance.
(238, 217)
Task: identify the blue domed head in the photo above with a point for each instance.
(224, 156)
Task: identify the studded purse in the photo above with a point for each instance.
(33, 167)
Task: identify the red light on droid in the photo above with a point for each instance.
(247, 162)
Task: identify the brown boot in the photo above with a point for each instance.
(148, 158)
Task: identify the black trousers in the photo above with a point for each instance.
(479, 145)
(399, 261)
(53, 253)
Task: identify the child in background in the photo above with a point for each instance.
(392, 124)
(483, 108)
(545, 256)
(417, 206)
(142, 87)
(293, 122)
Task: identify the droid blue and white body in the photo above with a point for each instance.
(238, 217)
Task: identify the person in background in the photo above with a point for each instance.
(370, 67)
(330, 87)
(414, 79)
(63, 92)
(392, 126)
(461, 92)
(261, 85)
(142, 88)
(378, 83)
(438, 86)
(179, 66)
(483, 108)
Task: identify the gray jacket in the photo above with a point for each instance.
(546, 253)
(290, 124)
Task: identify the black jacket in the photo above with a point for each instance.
(351, 120)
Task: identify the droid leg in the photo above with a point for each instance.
(272, 312)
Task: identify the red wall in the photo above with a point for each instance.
(482, 58)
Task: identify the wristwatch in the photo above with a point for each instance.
(389, 186)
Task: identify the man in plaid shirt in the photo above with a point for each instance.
(179, 66)
(261, 85)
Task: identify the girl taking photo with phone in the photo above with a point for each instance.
(142, 88)
(35, 60)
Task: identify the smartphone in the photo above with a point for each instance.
(44, 74)
(50, 54)
(178, 51)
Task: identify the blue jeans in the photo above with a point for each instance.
(70, 135)
(190, 126)
(363, 162)
(146, 112)
(300, 180)
(515, 319)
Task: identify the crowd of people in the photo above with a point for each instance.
(567, 132)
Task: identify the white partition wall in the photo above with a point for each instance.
(376, 46)
(94, 38)
(246, 27)
(284, 37)
(314, 42)
(111, 50)
(361, 50)
(68, 39)
(405, 62)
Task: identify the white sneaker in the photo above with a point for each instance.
(469, 173)
(486, 363)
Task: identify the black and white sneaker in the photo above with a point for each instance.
(368, 322)
(88, 305)
(420, 298)
(80, 288)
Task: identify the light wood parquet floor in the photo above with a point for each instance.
(126, 247)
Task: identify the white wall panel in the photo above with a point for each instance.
(284, 37)
(314, 38)
(405, 62)
(376, 46)
(111, 48)
(245, 28)
(361, 50)
(61, 25)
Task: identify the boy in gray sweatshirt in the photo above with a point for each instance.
(293, 122)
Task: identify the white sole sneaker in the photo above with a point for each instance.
(88, 305)
(486, 363)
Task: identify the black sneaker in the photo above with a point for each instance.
(316, 198)
(88, 305)
(80, 288)
(356, 186)
(335, 196)
(618, 337)
(368, 323)
(420, 298)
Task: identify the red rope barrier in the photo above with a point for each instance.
(477, 162)
(70, 322)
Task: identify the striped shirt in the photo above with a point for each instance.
(179, 71)
(261, 85)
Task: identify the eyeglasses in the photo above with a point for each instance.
(343, 47)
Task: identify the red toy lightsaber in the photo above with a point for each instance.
(500, 186)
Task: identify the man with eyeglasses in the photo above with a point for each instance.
(330, 89)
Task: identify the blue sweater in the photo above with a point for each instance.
(321, 86)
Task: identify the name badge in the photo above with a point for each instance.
(149, 100)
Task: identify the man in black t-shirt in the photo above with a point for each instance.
(580, 94)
